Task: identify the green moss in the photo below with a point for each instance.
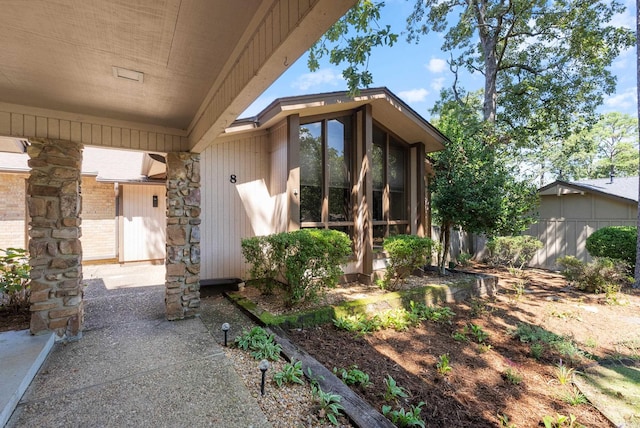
(428, 294)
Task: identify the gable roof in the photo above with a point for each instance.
(624, 188)
(387, 109)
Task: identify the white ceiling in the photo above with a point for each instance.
(60, 54)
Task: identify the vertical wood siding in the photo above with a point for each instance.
(144, 227)
(279, 175)
(19, 124)
(233, 211)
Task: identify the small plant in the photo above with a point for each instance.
(537, 350)
(503, 421)
(512, 376)
(602, 275)
(561, 421)
(405, 418)
(442, 365)
(512, 251)
(353, 376)
(393, 390)
(518, 289)
(259, 343)
(460, 336)
(406, 254)
(479, 307)
(464, 259)
(483, 348)
(329, 404)
(564, 374)
(574, 397)
(478, 333)
(14, 279)
(291, 373)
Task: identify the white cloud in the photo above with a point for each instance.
(437, 84)
(414, 95)
(623, 102)
(325, 76)
(437, 65)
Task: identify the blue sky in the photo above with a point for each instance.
(417, 72)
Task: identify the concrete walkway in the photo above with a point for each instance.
(134, 368)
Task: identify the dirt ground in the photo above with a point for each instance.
(11, 320)
(477, 390)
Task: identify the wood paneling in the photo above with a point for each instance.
(16, 123)
(234, 210)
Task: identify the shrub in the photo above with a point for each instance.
(602, 275)
(406, 254)
(512, 251)
(14, 279)
(307, 259)
(614, 242)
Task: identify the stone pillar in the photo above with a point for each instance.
(55, 251)
(182, 296)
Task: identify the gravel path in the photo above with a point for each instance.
(288, 406)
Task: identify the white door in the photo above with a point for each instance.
(144, 223)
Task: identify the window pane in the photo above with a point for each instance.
(311, 172)
(339, 162)
(397, 183)
(377, 172)
(379, 231)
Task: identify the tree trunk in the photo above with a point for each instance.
(488, 41)
(636, 282)
(444, 241)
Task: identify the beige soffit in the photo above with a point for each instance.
(387, 109)
(152, 62)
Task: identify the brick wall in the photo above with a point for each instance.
(13, 212)
(98, 215)
(98, 220)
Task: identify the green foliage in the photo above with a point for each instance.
(564, 374)
(404, 418)
(14, 279)
(393, 391)
(442, 366)
(329, 404)
(574, 397)
(503, 421)
(464, 259)
(561, 421)
(360, 32)
(512, 376)
(308, 259)
(614, 242)
(353, 376)
(459, 336)
(602, 275)
(291, 373)
(259, 343)
(406, 254)
(512, 251)
(478, 333)
(473, 189)
(528, 333)
(399, 319)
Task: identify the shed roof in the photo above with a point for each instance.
(625, 188)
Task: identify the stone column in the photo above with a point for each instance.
(55, 251)
(182, 297)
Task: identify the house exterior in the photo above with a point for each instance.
(120, 222)
(571, 211)
(317, 161)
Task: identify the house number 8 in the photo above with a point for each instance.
(233, 179)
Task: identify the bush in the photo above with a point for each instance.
(306, 259)
(406, 254)
(614, 242)
(603, 275)
(512, 251)
(14, 279)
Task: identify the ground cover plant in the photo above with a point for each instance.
(507, 358)
(14, 289)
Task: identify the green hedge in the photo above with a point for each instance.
(615, 242)
(307, 259)
(406, 254)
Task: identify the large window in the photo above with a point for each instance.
(325, 174)
(389, 170)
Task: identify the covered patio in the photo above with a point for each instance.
(160, 77)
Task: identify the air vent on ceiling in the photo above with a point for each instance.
(126, 74)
